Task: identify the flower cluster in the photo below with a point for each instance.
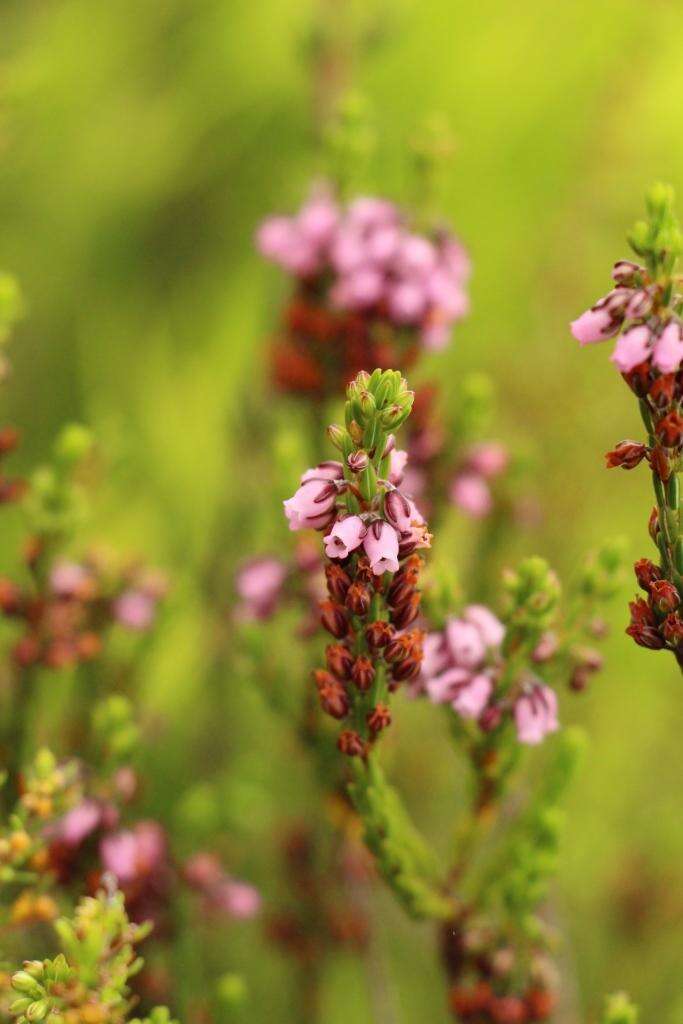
(89, 982)
(368, 289)
(644, 310)
(372, 532)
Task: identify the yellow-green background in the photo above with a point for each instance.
(140, 141)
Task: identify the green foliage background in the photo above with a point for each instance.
(140, 142)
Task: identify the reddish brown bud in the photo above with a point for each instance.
(508, 1010)
(469, 1000)
(88, 646)
(400, 593)
(402, 617)
(660, 462)
(645, 636)
(363, 672)
(60, 654)
(669, 430)
(540, 1003)
(639, 379)
(338, 581)
(627, 455)
(641, 612)
(26, 651)
(490, 718)
(333, 619)
(646, 573)
(9, 439)
(379, 718)
(662, 391)
(664, 596)
(364, 573)
(333, 699)
(358, 461)
(407, 669)
(339, 660)
(351, 744)
(358, 599)
(653, 524)
(672, 629)
(378, 634)
(579, 678)
(10, 597)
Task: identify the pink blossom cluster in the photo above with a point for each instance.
(221, 892)
(470, 489)
(386, 535)
(630, 306)
(372, 262)
(461, 667)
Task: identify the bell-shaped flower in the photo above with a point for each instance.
(381, 547)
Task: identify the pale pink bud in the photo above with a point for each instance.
(381, 547)
(330, 470)
(536, 714)
(397, 464)
(312, 505)
(668, 350)
(398, 511)
(632, 348)
(595, 324)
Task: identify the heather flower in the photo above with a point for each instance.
(381, 547)
(259, 584)
(489, 459)
(632, 348)
(134, 853)
(471, 493)
(135, 609)
(312, 504)
(344, 537)
(398, 461)
(535, 714)
(204, 872)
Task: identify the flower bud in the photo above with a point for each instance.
(379, 718)
(338, 582)
(624, 272)
(337, 436)
(333, 699)
(664, 596)
(363, 673)
(540, 1003)
(358, 599)
(660, 462)
(339, 660)
(402, 617)
(669, 430)
(672, 629)
(653, 524)
(358, 461)
(378, 634)
(663, 391)
(627, 455)
(351, 744)
(333, 619)
(507, 1010)
(646, 573)
(490, 718)
(408, 668)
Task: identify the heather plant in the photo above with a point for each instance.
(642, 311)
(497, 678)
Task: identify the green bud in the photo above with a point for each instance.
(619, 1010)
(38, 1011)
(20, 1005)
(659, 199)
(23, 982)
(337, 436)
(231, 990)
(73, 443)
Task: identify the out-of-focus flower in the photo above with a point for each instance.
(259, 584)
(536, 714)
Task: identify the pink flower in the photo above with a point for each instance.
(435, 655)
(362, 288)
(398, 460)
(381, 547)
(668, 350)
(329, 470)
(470, 492)
(416, 256)
(259, 584)
(280, 239)
(407, 301)
(465, 643)
(398, 511)
(134, 853)
(238, 899)
(135, 609)
(311, 507)
(471, 699)
(367, 212)
(491, 629)
(344, 537)
(632, 348)
(443, 688)
(318, 219)
(78, 823)
(69, 579)
(488, 459)
(536, 714)
(595, 324)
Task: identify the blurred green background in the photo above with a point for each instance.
(140, 142)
